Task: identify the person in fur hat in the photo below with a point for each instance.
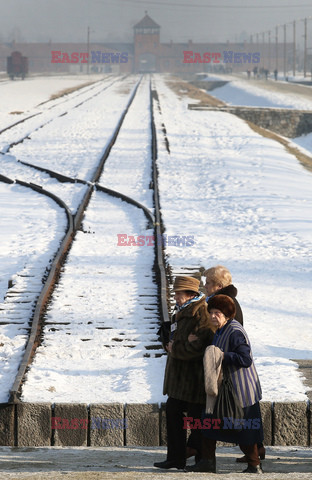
(184, 373)
(232, 340)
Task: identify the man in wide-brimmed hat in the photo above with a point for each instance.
(184, 376)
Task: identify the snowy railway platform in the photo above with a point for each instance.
(136, 463)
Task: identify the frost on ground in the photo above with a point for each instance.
(136, 463)
(245, 201)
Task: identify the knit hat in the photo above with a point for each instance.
(186, 283)
(224, 303)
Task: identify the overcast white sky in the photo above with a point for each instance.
(180, 20)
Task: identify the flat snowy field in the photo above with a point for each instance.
(246, 202)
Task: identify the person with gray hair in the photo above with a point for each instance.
(219, 281)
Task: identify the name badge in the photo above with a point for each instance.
(173, 327)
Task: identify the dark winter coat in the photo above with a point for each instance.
(231, 291)
(232, 339)
(184, 374)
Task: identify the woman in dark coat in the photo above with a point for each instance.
(219, 282)
(184, 374)
(232, 340)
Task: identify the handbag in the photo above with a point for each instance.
(227, 412)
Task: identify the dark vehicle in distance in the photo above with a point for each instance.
(17, 65)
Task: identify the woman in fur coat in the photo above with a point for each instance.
(184, 374)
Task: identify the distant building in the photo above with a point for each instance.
(71, 57)
(147, 48)
(152, 56)
(147, 54)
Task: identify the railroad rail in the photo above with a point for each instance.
(187, 270)
(81, 91)
(73, 224)
(49, 118)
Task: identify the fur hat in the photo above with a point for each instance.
(224, 303)
(186, 283)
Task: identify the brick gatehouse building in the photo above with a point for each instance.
(147, 54)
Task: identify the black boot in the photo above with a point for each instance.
(252, 469)
(204, 465)
(169, 464)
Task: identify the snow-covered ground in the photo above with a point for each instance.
(247, 203)
(244, 199)
(250, 93)
(98, 329)
(31, 229)
(20, 97)
(136, 463)
(102, 322)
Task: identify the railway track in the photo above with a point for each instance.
(186, 269)
(56, 102)
(186, 264)
(16, 132)
(74, 225)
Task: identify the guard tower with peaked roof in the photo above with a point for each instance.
(146, 45)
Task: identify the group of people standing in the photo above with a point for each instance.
(207, 336)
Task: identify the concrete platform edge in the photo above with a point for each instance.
(45, 424)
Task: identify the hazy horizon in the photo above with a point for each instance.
(180, 21)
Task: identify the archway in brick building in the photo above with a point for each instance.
(147, 62)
